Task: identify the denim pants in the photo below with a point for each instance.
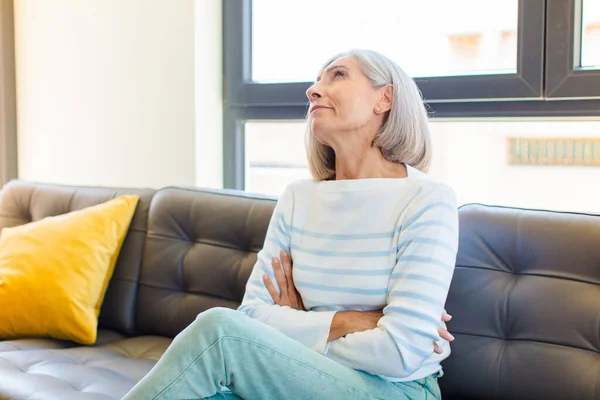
(225, 354)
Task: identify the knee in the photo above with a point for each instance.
(218, 319)
(210, 325)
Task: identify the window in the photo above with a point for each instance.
(272, 54)
(474, 157)
(492, 74)
(424, 43)
(274, 156)
(590, 34)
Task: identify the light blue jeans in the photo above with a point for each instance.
(225, 354)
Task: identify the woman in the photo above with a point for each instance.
(373, 242)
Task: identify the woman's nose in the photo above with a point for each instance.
(313, 92)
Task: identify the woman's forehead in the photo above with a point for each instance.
(345, 61)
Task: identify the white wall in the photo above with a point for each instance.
(105, 91)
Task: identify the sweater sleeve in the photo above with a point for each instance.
(419, 284)
(311, 328)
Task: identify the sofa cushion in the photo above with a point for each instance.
(58, 269)
(22, 202)
(200, 250)
(102, 337)
(104, 372)
(526, 304)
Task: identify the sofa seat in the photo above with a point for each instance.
(104, 336)
(52, 369)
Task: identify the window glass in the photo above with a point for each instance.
(547, 164)
(291, 40)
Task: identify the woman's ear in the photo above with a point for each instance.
(385, 101)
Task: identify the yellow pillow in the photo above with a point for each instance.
(54, 272)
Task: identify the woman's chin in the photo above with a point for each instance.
(320, 129)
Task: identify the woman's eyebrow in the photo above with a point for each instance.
(331, 68)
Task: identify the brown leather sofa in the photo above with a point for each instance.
(525, 296)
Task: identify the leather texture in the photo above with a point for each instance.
(200, 251)
(103, 337)
(525, 296)
(526, 304)
(104, 372)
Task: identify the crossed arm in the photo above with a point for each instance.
(343, 322)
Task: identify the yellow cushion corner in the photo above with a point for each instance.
(54, 272)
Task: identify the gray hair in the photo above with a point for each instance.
(404, 135)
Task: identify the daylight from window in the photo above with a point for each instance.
(590, 33)
(476, 157)
(448, 42)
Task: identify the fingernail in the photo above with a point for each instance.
(276, 260)
(451, 336)
(264, 277)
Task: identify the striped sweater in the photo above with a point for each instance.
(364, 244)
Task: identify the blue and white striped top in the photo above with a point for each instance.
(364, 244)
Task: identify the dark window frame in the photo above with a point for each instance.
(565, 79)
(546, 84)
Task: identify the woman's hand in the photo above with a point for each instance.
(346, 322)
(443, 333)
(288, 295)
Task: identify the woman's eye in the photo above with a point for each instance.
(340, 74)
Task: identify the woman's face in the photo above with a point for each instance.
(343, 101)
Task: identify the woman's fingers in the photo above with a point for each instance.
(287, 266)
(446, 317)
(279, 276)
(271, 288)
(445, 334)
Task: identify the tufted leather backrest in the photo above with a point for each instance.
(22, 202)
(526, 304)
(200, 250)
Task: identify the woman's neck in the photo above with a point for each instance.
(356, 163)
